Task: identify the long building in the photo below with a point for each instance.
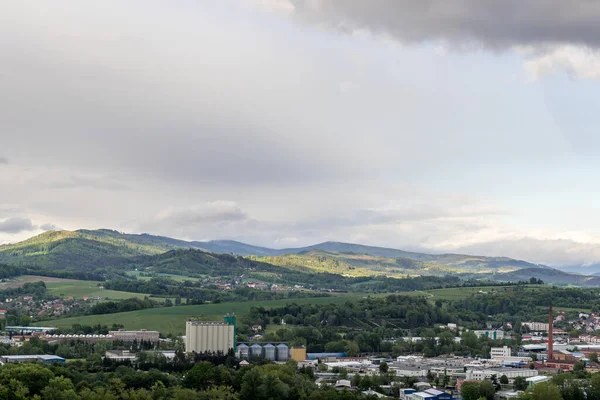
(214, 336)
(130, 336)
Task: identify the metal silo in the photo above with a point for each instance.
(256, 350)
(270, 352)
(243, 351)
(283, 352)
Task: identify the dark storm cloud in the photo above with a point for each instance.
(16, 225)
(492, 23)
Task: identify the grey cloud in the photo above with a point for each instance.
(16, 225)
(494, 24)
(199, 220)
(48, 227)
(3, 160)
(83, 181)
(132, 102)
(553, 252)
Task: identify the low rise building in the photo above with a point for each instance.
(43, 358)
(139, 336)
(534, 380)
(494, 334)
(120, 355)
(536, 326)
(496, 352)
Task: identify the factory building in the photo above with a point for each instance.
(213, 336)
(139, 336)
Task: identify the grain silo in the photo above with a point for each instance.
(256, 350)
(243, 352)
(213, 336)
(270, 352)
(283, 352)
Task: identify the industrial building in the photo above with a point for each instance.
(130, 336)
(213, 336)
(26, 330)
(43, 358)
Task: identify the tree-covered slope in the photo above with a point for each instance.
(90, 250)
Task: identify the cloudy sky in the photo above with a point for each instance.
(456, 125)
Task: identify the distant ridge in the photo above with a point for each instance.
(109, 247)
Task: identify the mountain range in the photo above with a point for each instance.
(92, 250)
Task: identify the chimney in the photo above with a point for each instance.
(550, 337)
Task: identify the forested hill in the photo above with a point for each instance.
(108, 247)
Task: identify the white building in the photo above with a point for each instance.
(534, 380)
(498, 352)
(536, 326)
(511, 373)
(203, 336)
(494, 334)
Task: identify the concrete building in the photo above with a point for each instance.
(497, 352)
(511, 373)
(203, 336)
(130, 336)
(120, 355)
(536, 326)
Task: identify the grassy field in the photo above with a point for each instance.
(71, 288)
(78, 289)
(176, 278)
(21, 280)
(458, 293)
(172, 319)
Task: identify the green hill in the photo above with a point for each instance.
(95, 251)
(350, 264)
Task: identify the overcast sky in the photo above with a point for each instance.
(454, 126)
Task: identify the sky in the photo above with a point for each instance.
(444, 126)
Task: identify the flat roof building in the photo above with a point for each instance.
(130, 336)
(43, 358)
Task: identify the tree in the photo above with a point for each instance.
(487, 390)
(199, 377)
(470, 390)
(504, 380)
(59, 388)
(594, 357)
(219, 393)
(542, 391)
(383, 367)
(520, 383)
